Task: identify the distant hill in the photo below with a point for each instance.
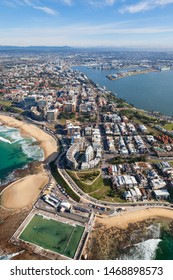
(37, 48)
(61, 48)
(76, 49)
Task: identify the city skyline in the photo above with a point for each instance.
(79, 23)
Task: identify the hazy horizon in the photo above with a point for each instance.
(133, 24)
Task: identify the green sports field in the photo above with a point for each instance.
(53, 235)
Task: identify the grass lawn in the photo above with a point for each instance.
(88, 176)
(87, 188)
(5, 103)
(103, 195)
(61, 121)
(168, 126)
(8, 106)
(100, 189)
(53, 235)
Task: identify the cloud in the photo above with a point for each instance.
(94, 30)
(35, 4)
(115, 28)
(115, 33)
(67, 2)
(46, 10)
(145, 5)
(136, 8)
(101, 3)
(23, 2)
(110, 2)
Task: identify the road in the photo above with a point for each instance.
(86, 199)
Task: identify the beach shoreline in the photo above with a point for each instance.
(39, 180)
(116, 237)
(23, 192)
(122, 220)
(46, 142)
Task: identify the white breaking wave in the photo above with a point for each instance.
(145, 250)
(12, 135)
(9, 178)
(7, 129)
(32, 151)
(2, 139)
(9, 257)
(154, 230)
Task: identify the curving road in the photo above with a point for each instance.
(85, 198)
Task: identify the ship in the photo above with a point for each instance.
(165, 68)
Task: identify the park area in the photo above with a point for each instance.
(53, 235)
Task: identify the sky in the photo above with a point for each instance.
(139, 24)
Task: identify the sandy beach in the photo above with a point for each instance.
(122, 221)
(47, 142)
(23, 192)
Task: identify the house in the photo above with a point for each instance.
(161, 194)
(157, 184)
(138, 193)
(128, 196)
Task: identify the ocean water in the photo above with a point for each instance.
(16, 152)
(165, 249)
(10, 256)
(151, 91)
(156, 244)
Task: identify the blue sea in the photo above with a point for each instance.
(156, 244)
(16, 152)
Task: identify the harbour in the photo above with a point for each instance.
(151, 91)
(125, 74)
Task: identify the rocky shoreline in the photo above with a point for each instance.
(111, 243)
